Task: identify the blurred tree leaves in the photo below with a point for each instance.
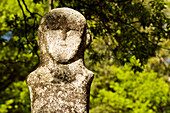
(19, 54)
(18, 98)
(126, 91)
(125, 26)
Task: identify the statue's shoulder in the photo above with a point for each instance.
(36, 75)
(36, 72)
(88, 73)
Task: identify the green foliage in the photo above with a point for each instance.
(160, 64)
(19, 54)
(133, 27)
(126, 91)
(17, 100)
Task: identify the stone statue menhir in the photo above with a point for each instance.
(61, 83)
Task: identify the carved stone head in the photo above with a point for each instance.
(63, 35)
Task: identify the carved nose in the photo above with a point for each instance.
(64, 33)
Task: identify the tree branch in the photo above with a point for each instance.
(51, 5)
(25, 21)
(32, 14)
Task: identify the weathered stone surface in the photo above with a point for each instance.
(61, 83)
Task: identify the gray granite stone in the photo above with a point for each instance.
(61, 83)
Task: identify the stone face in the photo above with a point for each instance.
(61, 32)
(61, 83)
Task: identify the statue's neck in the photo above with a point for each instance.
(64, 73)
(74, 65)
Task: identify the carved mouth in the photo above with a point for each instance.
(63, 44)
